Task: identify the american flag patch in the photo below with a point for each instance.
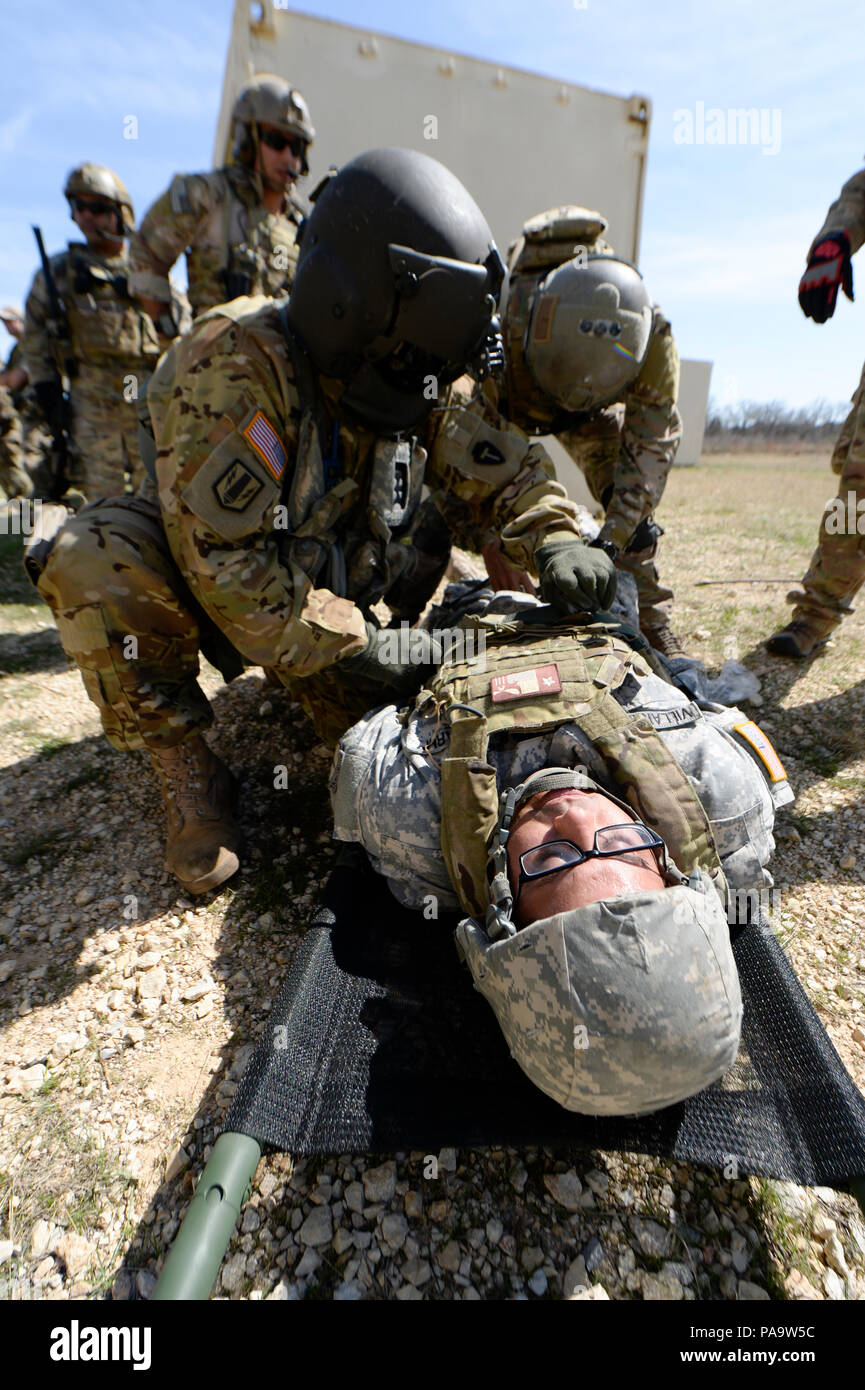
(266, 443)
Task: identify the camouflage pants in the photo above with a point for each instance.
(125, 616)
(596, 448)
(837, 566)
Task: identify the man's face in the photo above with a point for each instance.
(279, 168)
(97, 218)
(13, 325)
(571, 814)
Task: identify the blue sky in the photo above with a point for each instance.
(725, 227)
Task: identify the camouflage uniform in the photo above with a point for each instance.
(233, 245)
(14, 473)
(837, 566)
(625, 450)
(274, 525)
(113, 346)
(386, 783)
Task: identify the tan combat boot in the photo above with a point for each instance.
(664, 639)
(197, 788)
(800, 637)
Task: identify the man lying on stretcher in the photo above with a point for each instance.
(596, 827)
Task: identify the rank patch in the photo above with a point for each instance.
(237, 487)
(516, 685)
(267, 444)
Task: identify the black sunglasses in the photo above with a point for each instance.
(275, 140)
(611, 842)
(94, 205)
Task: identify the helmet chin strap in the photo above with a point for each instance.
(499, 914)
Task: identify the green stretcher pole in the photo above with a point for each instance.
(193, 1261)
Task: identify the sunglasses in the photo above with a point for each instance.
(275, 140)
(94, 205)
(612, 842)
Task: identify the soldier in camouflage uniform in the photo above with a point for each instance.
(520, 787)
(837, 566)
(17, 454)
(288, 469)
(611, 403)
(107, 347)
(237, 225)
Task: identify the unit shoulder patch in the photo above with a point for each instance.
(237, 487)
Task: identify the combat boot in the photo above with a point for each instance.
(800, 638)
(198, 790)
(664, 639)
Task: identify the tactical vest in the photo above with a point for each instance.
(108, 330)
(240, 248)
(548, 240)
(533, 679)
(347, 534)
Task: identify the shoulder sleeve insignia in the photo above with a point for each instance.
(486, 452)
(237, 487)
(267, 444)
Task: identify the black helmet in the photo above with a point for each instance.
(398, 281)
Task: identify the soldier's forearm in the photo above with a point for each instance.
(534, 509)
(847, 214)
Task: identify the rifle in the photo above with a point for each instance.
(55, 402)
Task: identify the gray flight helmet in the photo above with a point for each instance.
(397, 285)
(622, 1007)
(588, 331)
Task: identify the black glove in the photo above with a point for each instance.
(828, 267)
(575, 577)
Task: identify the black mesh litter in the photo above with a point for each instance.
(378, 1042)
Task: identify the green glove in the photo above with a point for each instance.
(377, 662)
(575, 577)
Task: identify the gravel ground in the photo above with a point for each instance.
(128, 1011)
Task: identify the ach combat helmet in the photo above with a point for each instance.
(98, 181)
(621, 1007)
(588, 331)
(269, 100)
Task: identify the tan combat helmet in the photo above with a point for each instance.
(269, 100)
(98, 181)
(588, 331)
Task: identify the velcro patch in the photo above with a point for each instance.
(267, 444)
(761, 745)
(515, 685)
(237, 487)
(542, 327)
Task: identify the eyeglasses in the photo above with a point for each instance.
(275, 140)
(94, 205)
(611, 842)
